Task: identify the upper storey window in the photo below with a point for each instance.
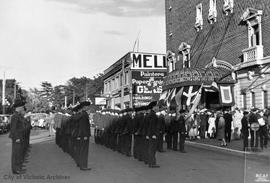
(171, 60)
(184, 48)
(212, 15)
(228, 6)
(252, 18)
(199, 18)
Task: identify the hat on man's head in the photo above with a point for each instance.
(245, 112)
(18, 103)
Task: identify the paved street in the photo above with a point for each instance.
(48, 163)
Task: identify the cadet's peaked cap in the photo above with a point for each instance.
(246, 112)
(18, 103)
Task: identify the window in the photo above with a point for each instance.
(171, 60)
(265, 99)
(254, 36)
(252, 18)
(199, 18)
(184, 49)
(110, 86)
(212, 15)
(228, 6)
(126, 78)
(252, 99)
(244, 99)
(121, 79)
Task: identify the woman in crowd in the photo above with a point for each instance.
(212, 125)
(221, 130)
(236, 124)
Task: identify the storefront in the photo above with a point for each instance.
(210, 88)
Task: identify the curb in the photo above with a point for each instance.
(251, 155)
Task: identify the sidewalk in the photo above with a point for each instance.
(235, 146)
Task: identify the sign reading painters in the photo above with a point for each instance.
(148, 61)
(147, 86)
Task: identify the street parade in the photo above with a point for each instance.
(135, 91)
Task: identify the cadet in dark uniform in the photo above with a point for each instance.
(152, 134)
(245, 130)
(82, 119)
(174, 131)
(17, 131)
(161, 123)
(168, 136)
(182, 131)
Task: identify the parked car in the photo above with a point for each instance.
(4, 123)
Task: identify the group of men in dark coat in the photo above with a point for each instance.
(175, 129)
(20, 127)
(138, 132)
(73, 133)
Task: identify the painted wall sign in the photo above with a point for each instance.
(147, 86)
(148, 61)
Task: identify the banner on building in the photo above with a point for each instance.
(226, 95)
(147, 86)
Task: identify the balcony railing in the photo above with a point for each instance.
(253, 54)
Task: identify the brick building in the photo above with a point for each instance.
(223, 34)
(136, 79)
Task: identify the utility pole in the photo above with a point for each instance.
(3, 93)
(73, 98)
(15, 91)
(86, 91)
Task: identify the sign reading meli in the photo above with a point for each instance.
(148, 61)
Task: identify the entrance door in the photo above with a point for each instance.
(212, 100)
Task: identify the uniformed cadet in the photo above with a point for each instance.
(174, 131)
(83, 135)
(18, 134)
(161, 123)
(152, 134)
(168, 136)
(182, 130)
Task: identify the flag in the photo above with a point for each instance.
(170, 96)
(178, 96)
(195, 102)
(189, 93)
(226, 96)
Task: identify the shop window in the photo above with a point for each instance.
(199, 18)
(184, 49)
(212, 15)
(228, 6)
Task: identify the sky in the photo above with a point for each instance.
(55, 40)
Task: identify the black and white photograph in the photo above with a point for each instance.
(134, 91)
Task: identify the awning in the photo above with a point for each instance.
(197, 76)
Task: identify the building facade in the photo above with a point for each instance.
(223, 34)
(136, 79)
